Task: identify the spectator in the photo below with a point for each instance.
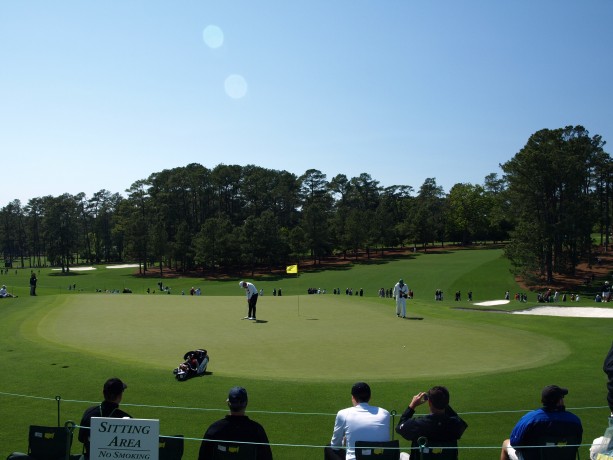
(33, 281)
(552, 420)
(601, 444)
(400, 293)
(236, 427)
(360, 422)
(4, 293)
(441, 427)
(113, 393)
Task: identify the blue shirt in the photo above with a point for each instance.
(555, 424)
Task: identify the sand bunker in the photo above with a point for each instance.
(490, 303)
(123, 266)
(577, 312)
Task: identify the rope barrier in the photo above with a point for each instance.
(326, 414)
(59, 400)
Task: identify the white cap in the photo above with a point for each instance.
(240, 283)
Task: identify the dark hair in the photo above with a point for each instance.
(113, 387)
(361, 392)
(439, 397)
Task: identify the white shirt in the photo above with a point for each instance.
(250, 290)
(398, 289)
(360, 423)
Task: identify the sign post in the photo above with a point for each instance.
(124, 438)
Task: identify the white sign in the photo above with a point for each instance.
(124, 438)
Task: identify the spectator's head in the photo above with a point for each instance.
(237, 399)
(113, 389)
(438, 397)
(552, 396)
(360, 392)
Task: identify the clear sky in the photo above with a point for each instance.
(99, 94)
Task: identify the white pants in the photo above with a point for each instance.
(401, 306)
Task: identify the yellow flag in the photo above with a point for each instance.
(292, 269)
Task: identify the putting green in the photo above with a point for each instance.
(314, 337)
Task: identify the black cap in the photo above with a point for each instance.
(552, 394)
(114, 386)
(237, 397)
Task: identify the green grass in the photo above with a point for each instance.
(299, 361)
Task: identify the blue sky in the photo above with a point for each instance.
(96, 95)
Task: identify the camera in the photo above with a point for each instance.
(426, 397)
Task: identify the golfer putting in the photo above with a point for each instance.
(252, 299)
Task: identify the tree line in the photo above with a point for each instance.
(552, 196)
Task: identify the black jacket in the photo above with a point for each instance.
(439, 429)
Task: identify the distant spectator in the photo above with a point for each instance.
(606, 292)
(33, 282)
(4, 293)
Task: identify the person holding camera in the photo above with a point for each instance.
(442, 427)
(400, 293)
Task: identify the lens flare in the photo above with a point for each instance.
(212, 36)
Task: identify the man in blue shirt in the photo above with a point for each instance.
(550, 423)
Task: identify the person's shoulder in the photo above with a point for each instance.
(573, 417)
(91, 409)
(122, 414)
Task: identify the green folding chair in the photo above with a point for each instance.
(234, 451)
(373, 450)
(171, 447)
(47, 443)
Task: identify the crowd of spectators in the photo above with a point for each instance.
(441, 428)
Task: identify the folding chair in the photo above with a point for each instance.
(171, 447)
(234, 451)
(382, 450)
(47, 443)
(561, 449)
(440, 451)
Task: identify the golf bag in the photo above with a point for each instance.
(195, 364)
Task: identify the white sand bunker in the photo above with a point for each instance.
(122, 266)
(490, 303)
(76, 269)
(577, 312)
